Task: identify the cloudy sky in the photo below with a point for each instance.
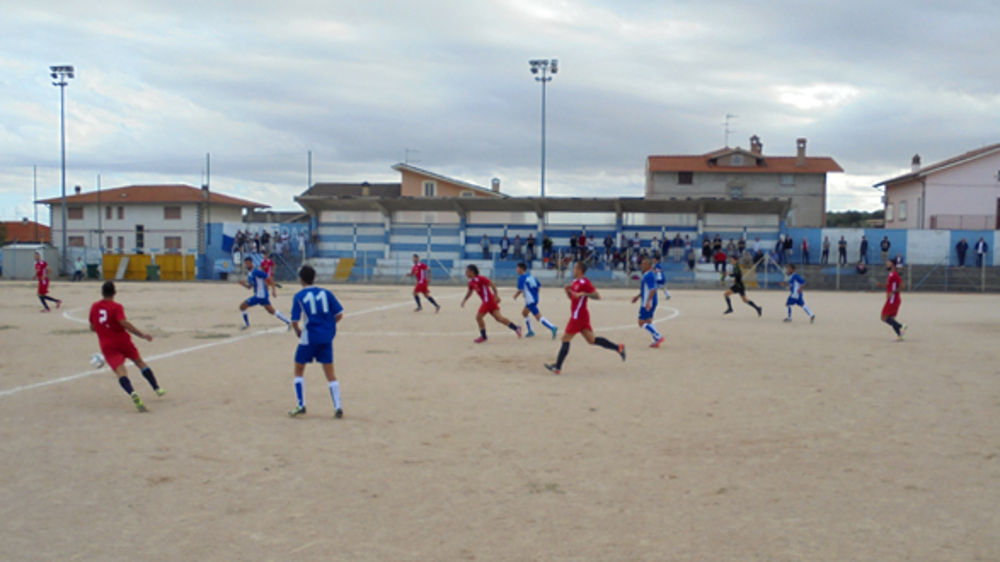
(446, 84)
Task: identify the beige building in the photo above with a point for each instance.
(737, 173)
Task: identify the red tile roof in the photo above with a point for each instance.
(177, 193)
(24, 231)
(765, 164)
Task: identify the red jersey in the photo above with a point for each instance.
(892, 285)
(480, 284)
(578, 305)
(106, 317)
(41, 270)
(267, 266)
(419, 271)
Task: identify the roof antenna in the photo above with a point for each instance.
(729, 116)
(406, 155)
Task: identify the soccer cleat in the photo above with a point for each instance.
(338, 414)
(243, 328)
(787, 320)
(760, 311)
(138, 402)
(298, 411)
(529, 335)
(480, 339)
(58, 304)
(621, 350)
(554, 332)
(812, 318)
(658, 342)
(730, 311)
(160, 391)
(44, 310)
(902, 331)
(518, 332)
(437, 309)
(418, 309)
(552, 368)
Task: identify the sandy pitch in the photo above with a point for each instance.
(740, 439)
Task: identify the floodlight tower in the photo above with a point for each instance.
(545, 67)
(60, 76)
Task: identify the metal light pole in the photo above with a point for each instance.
(60, 75)
(545, 66)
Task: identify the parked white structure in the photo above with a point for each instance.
(962, 192)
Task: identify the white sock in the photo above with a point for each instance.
(281, 316)
(805, 307)
(335, 394)
(545, 322)
(527, 323)
(300, 391)
(652, 330)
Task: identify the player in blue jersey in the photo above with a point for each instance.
(528, 286)
(649, 300)
(257, 281)
(322, 312)
(795, 283)
(661, 279)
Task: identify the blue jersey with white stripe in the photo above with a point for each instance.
(320, 308)
(257, 280)
(658, 269)
(528, 285)
(648, 288)
(795, 284)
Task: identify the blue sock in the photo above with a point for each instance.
(246, 320)
(527, 322)
(300, 390)
(652, 330)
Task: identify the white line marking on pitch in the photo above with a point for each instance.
(67, 314)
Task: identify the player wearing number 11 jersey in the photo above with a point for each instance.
(322, 312)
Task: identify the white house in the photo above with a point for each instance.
(143, 218)
(962, 192)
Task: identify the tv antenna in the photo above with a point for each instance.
(406, 155)
(729, 117)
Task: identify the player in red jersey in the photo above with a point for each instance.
(893, 284)
(267, 266)
(42, 274)
(107, 318)
(421, 272)
(482, 286)
(579, 291)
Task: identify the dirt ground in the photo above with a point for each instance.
(742, 438)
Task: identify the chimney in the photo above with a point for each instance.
(755, 145)
(495, 184)
(77, 189)
(915, 163)
(800, 156)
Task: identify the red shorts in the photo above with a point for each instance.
(577, 325)
(43, 287)
(422, 288)
(115, 353)
(488, 307)
(891, 308)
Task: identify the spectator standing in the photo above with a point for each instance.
(741, 245)
(779, 250)
(884, 245)
(805, 251)
(484, 243)
(825, 256)
(573, 245)
(706, 250)
(731, 248)
(842, 252)
(265, 241)
(609, 244)
(504, 246)
(863, 250)
(961, 248)
(547, 247)
(789, 248)
(529, 245)
(518, 247)
(981, 247)
(678, 247)
(78, 268)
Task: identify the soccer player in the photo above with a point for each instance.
(257, 282)
(267, 265)
(322, 311)
(107, 318)
(795, 283)
(893, 284)
(487, 291)
(648, 295)
(579, 291)
(42, 274)
(737, 288)
(422, 273)
(529, 287)
(661, 279)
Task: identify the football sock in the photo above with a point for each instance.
(806, 308)
(281, 316)
(335, 394)
(126, 385)
(42, 299)
(432, 301)
(416, 298)
(527, 323)
(789, 311)
(300, 384)
(652, 330)
(512, 326)
(606, 343)
(150, 377)
(482, 333)
(754, 306)
(563, 352)
(729, 303)
(895, 325)
(246, 319)
(545, 322)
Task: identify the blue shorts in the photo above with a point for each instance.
(799, 301)
(254, 301)
(307, 352)
(532, 308)
(646, 314)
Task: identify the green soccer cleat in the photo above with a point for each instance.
(554, 332)
(160, 391)
(298, 411)
(902, 332)
(529, 335)
(138, 402)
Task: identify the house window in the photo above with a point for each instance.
(121, 213)
(75, 213)
(121, 242)
(902, 210)
(467, 193)
(737, 160)
(172, 244)
(75, 241)
(108, 245)
(736, 192)
(685, 178)
(140, 236)
(888, 212)
(171, 213)
(107, 214)
(430, 189)
(787, 179)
